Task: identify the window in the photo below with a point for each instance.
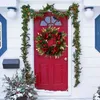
(50, 21)
(97, 33)
(3, 35)
(0, 34)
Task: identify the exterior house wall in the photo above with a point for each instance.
(90, 58)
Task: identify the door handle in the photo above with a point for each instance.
(65, 58)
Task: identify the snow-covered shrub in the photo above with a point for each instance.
(96, 96)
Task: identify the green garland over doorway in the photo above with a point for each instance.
(28, 13)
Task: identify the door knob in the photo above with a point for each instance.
(65, 59)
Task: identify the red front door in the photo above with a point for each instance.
(51, 73)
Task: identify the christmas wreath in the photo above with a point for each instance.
(51, 42)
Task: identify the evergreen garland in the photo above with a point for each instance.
(25, 42)
(76, 43)
(72, 12)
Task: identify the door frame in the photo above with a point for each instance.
(54, 94)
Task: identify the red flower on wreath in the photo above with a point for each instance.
(54, 50)
(58, 42)
(46, 36)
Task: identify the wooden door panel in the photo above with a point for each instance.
(51, 73)
(58, 72)
(59, 76)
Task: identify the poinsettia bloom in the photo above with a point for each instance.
(19, 94)
(30, 94)
(58, 42)
(15, 97)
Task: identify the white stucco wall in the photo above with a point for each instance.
(90, 58)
